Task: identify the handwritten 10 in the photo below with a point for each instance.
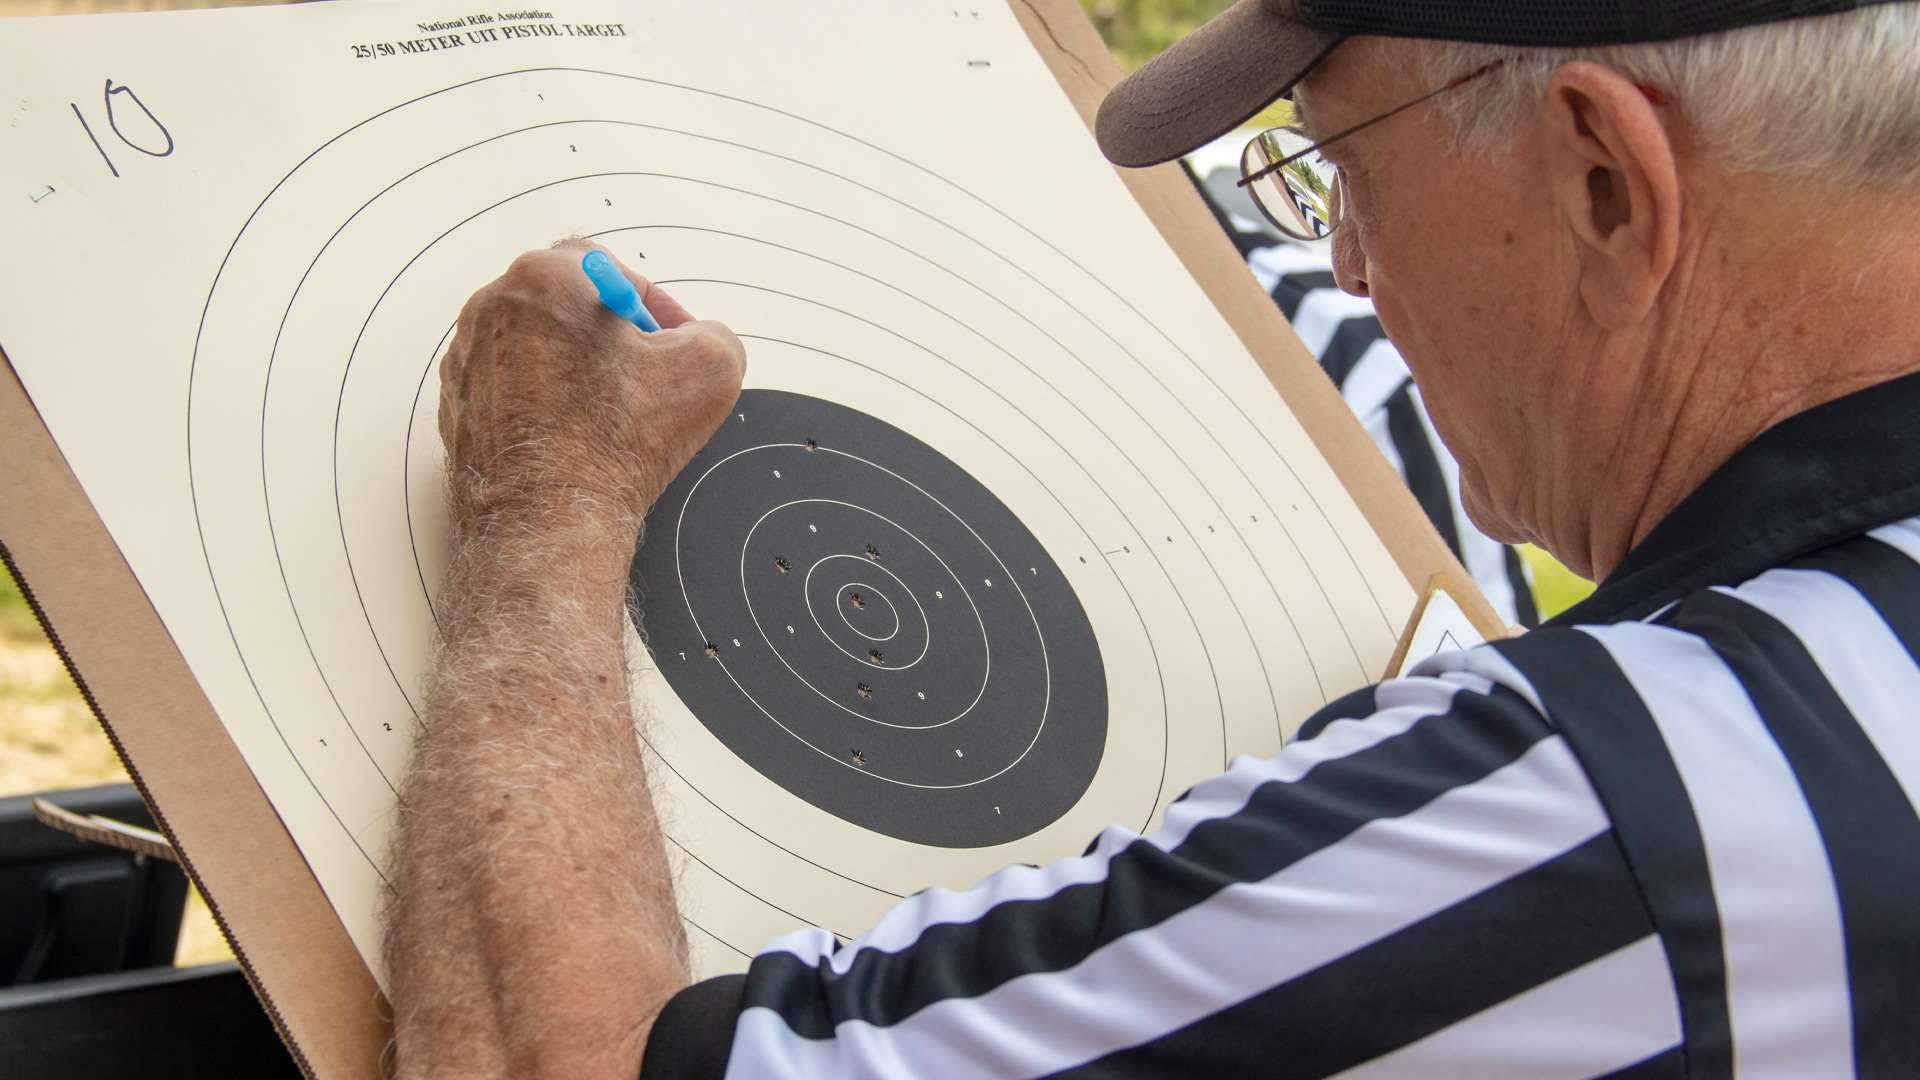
(127, 100)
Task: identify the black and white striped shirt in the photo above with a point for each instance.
(1672, 833)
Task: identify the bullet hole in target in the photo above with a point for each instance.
(865, 691)
(712, 649)
(857, 600)
(811, 446)
(859, 759)
(873, 655)
(873, 553)
(783, 566)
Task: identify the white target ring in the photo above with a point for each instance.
(883, 287)
(855, 598)
(807, 580)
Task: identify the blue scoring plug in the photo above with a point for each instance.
(616, 291)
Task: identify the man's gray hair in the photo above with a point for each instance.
(1833, 98)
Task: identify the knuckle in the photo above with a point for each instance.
(474, 308)
(535, 271)
(452, 373)
(528, 262)
(716, 350)
(703, 351)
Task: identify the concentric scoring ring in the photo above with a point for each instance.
(854, 599)
(991, 732)
(847, 590)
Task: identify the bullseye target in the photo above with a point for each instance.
(982, 563)
(933, 682)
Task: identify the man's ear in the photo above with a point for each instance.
(1617, 187)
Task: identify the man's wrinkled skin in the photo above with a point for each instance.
(532, 930)
(549, 399)
(1599, 314)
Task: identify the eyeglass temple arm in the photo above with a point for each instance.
(1362, 126)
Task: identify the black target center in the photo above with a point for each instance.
(851, 586)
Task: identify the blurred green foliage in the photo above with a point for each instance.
(16, 620)
(1136, 30)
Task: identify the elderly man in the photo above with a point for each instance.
(1655, 267)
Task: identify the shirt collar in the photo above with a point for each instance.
(1815, 479)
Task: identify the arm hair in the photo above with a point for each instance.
(532, 929)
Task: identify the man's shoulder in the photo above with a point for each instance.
(1842, 620)
(1486, 678)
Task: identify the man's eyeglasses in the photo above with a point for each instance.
(1299, 190)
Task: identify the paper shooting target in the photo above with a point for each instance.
(982, 564)
(929, 688)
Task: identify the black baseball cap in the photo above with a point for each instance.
(1219, 76)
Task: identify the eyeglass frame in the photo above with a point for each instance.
(1247, 178)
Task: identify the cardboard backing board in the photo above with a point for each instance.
(295, 951)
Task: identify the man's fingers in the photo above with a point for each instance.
(709, 345)
(666, 311)
(701, 341)
(706, 343)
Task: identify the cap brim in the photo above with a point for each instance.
(1207, 84)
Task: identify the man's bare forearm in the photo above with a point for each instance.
(533, 931)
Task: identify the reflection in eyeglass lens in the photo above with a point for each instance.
(1302, 198)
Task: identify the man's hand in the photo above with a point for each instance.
(532, 929)
(552, 404)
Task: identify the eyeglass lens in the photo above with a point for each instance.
(1301, 198)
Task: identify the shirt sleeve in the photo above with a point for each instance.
(1426, 885)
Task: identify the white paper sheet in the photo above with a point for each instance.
(1442, 628)
(235, 243)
